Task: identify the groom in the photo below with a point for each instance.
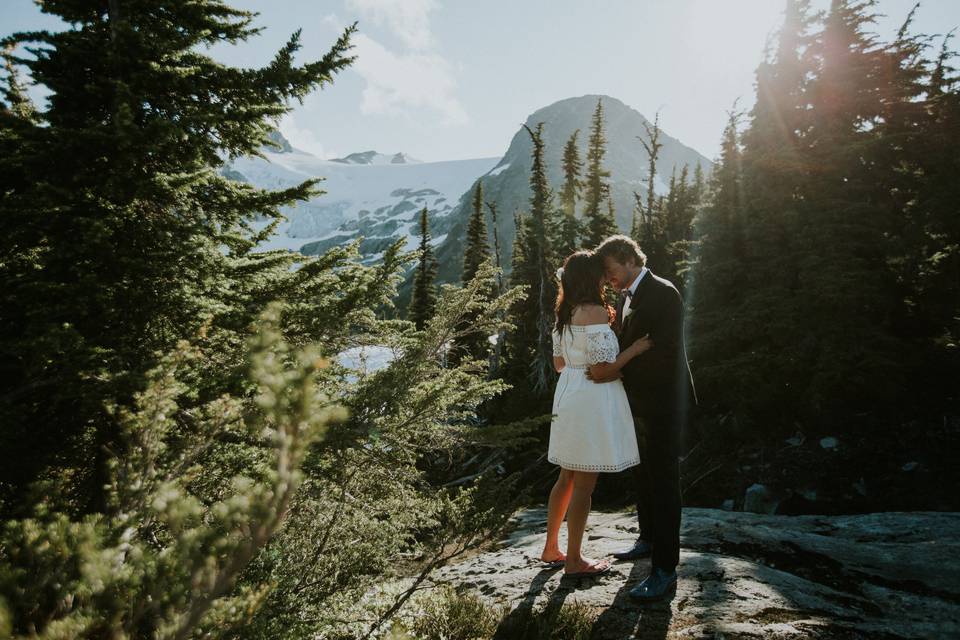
(660, 388)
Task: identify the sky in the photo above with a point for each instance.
(454, 79)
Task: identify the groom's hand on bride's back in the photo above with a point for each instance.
(596, 376)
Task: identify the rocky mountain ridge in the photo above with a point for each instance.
(377, 196)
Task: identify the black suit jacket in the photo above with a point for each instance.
(658, 382)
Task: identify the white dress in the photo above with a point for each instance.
(592, 428)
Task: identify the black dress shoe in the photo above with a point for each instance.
(655, 586)
(640, 549)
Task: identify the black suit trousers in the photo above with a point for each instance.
(658, 487)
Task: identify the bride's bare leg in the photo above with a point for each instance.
(556, 510)
(577, 512)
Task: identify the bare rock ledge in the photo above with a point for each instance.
(742, 575)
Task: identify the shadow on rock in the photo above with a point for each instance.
(627, 618)
(518, 621)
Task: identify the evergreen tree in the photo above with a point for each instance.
(938, 280)
(166, 474)
(719, 267)
(677, 213)
(498, 345)
(115, 239)
(652, 146)
(544, 285)
(528, 357)
(572, 167)
(849, 295)
(699, 184)
(598, 224)
(911, 144)
(477, 250)
(476, 256)
(651, 231)
(423, 299)
(566, 236)
(774, 168)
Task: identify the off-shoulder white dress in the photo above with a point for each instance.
(592, 429)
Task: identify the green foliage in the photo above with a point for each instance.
(565, 232)
(190, 494)
(478, 248)
(812, 310)
(424, 296)
(528, 350)
(598, 224)
(114, 217)
(477, 255)
(663, 226)
(163, 559)
(449, 615)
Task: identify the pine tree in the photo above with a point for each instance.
(774, 168)
(544, 285)
(498, 345)
(528, 357)
(566, 236)
(911, 144)
(424, 297)
(159, 467)
(476, 257)
(849, 294)
(477, 250)
(572, 167)
(652, 146)
(124, 164)
(598, 224)
(677, 214)
(651, 231)
(719, 267)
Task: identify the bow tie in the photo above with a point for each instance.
(626, 293)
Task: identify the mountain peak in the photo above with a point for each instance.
(373, 157)
(282, 144)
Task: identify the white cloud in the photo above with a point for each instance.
(396, 81)
(302, 138)
(408, 19)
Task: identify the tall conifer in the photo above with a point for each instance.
(567, 227)
(478, 249)
(529, 349)
(125, 235)
(476, 255)
(423, 299)
(598, 223)
(651, 231)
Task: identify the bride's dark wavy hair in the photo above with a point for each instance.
(580, 283)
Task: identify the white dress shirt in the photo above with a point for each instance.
(633, 289)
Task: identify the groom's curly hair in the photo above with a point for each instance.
(580, 283)
(621, 249)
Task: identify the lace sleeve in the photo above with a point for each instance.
(557, 350)
(602, 346)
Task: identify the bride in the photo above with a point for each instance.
(592, 429)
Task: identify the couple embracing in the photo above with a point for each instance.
(621, 401)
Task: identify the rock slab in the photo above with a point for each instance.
(744, 575)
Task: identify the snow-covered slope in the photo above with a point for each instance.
(374, 199)
(372, 157)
